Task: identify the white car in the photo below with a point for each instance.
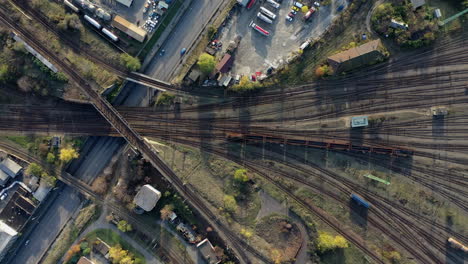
(317, 4)
(288, 18)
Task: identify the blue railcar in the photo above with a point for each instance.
(359, 200)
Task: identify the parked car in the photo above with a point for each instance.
(317, 4)
(183, 51)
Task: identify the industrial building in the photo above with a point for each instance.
(128, 28)
(356, 57)
(208, 252)
(8, 235)
(17, 205)
(126, 3)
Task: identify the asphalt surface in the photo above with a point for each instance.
(98, 151)
(182, 36)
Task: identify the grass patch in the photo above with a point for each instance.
(23, 141)
(113, 239)
(157, 34)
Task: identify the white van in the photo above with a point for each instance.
(273, 4)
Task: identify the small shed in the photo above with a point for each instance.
(437, 13)
(225, 64)
(208, 252)
(417, 3)
(147, 197)
(194, 76)
(359, 121)
(102, 248)
(225, 80)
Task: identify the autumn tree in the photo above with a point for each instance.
(206, 62)
(67, 154)
(246, 233)
(323, 71)
(240, 175)
(166, 211)
(116, 254)
(326, 242)
(124, 226)
(100, 185)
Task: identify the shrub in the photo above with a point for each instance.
(50, 157)
(230, 203)
(130, 62)
(206, 62)
(327, 242)
(166, 211)
(240, 175)
(124, 226)
(323, 71)
(34, 169)
(245, 85)
(165, 98)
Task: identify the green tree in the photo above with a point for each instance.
(245, 85)
(240, 175)
(127, 260)
(206, 62)
(132, 63)
(34, 169)
(67, 154)
(49, 179)
(4, 73)
(50, 157)
(230, 203)
(246, 233)
(124, 226)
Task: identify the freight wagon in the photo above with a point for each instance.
(93, 22)
(71, 6)
(457, 245)
(110, 34)
(359, 200)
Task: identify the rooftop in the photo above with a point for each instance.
(147, 197)
(84, 260)
(18, 206)
(355, 52)
(7, 235)
(225, 64)
(126, 3)
(128, 28)
(10, 167)
(208, 252)
(359, 121)
(417, 3)
(102, 247)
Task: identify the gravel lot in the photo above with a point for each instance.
(257, 52)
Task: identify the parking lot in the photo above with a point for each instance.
(256, 52)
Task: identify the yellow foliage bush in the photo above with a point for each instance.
(68, 154)
(326, 242)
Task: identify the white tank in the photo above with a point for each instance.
(92, 22)
(110, 34)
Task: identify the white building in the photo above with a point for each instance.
(147, 197)
(8, 169)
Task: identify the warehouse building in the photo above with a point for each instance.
(355, 57)
(16, 206)
(128, 28)
(8, 169)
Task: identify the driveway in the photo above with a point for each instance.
(98, 151)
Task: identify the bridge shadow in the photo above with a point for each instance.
(438, 126)
(454, 256)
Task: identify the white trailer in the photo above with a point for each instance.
(264, 18)
(268, 13)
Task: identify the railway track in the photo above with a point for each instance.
(119, 123)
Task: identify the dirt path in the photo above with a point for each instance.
(369, 15)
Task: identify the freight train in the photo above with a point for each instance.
(331, 144)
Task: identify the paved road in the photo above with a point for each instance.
(182, 37)
(98, 151)
(49, 227)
